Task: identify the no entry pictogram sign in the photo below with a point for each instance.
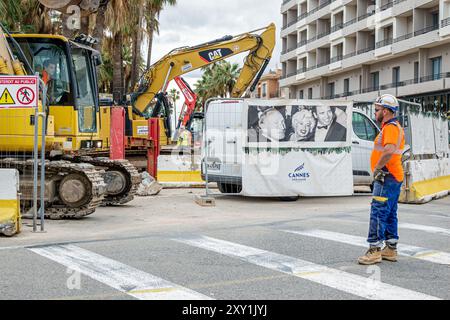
(25, 95)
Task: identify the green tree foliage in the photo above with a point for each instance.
(218, 80)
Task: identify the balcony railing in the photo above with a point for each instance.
(322, 64)
(311, 40)
(392, 85)
(302, 43)
(383, 43)
(306, 14)
(288, 50)
(426, 30)
(366, 15)
(301, 70)
(346, 24)
(320, 6)
(349, 55)
(404, 37)
(323, 34)
(303, 15)
(290, 74)
(336, 27)
(388, 5)
(336, 58)
(364, 50)
(445, 22)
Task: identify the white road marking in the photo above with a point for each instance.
(430, 229)
(129, 280)
(435, 256)
(337, 279)
(439, 216)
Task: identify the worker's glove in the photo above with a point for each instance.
(378, 175)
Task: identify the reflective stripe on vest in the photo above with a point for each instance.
(379, 142)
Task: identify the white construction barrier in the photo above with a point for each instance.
(9, 202)
(425, 180)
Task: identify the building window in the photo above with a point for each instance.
(309, 93)
(331, 89)
(346, 86)
(375, 80)
(416, 71)
(435, 19)
(264, 90)
(300, 94)
(436, 67)
(396, 75)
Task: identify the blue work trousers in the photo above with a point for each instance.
(383, 214)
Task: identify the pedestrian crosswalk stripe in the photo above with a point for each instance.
(124, 278)
(421, 227)
(435, 256)
(351, 283)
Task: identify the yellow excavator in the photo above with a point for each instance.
(78, 128)
(149, 98)
(75, 184)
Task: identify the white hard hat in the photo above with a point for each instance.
(388, 101)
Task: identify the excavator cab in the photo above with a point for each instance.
(68, 69)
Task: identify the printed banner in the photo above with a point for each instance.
(297, 147)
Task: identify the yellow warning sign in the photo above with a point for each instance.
(6, 97)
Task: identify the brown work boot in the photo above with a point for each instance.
(372, 256)
(389, 254)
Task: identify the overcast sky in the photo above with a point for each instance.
(192, 22)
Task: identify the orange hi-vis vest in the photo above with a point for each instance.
(391, 133)
(45, 76)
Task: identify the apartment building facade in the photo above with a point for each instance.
(358, 49)
(268, 86)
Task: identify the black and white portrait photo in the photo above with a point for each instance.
(297, 124)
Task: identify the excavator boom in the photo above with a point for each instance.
(186, 59)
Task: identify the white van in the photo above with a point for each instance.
(225, 168)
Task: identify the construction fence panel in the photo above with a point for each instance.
(222, 146)
(22, 137)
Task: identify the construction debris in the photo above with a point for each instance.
(149, 186)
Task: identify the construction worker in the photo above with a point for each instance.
(49, 70)
(387, 170)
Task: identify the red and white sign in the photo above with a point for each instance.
(19, 91)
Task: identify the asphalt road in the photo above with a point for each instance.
(168, 247)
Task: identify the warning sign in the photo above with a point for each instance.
(6, 97)
(18, 91)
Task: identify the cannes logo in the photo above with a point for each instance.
(297, 175)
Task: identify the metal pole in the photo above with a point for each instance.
(44, 118)
(35, 166)
(206, 147)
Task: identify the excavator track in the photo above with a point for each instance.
(121, 178)
(68, 178)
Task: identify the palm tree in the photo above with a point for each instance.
(218, 80)
(99, 30)
(25, 16)
(174, 95)
(116, 19)
(138, 17)
(153, 9)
